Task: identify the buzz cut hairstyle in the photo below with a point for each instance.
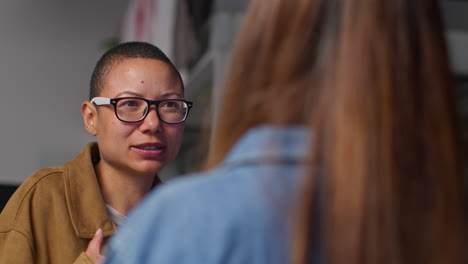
(123, 51)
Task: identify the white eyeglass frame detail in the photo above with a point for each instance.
(101, 100)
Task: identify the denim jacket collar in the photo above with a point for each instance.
(268, 143)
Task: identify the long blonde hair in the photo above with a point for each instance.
(371, 78)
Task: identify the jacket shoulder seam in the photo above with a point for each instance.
(25, 234)
(33, 186)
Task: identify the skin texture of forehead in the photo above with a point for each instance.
(175, 80)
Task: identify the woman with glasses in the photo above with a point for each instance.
(136, 111)
(336, 142)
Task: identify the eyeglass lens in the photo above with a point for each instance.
(134, 109)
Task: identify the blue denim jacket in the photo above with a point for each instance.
(236, 213)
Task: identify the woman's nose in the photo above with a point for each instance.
(151, 122)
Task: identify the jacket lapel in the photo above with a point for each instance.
(84, 200)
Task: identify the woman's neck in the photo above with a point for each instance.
(123, 191)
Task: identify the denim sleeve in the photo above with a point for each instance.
(203, 219)
(148, 235)
(170, 226)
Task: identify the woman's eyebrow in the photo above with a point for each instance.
(171, 94)
(134, 94)
(129, 93)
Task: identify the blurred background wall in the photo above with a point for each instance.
(48, 49)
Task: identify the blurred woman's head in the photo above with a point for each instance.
(372, 79)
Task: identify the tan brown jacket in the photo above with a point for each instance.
(53, 215)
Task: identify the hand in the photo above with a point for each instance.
(94, 246)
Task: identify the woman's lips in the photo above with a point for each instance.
(150, 150)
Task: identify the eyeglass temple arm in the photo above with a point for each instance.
(101, 100)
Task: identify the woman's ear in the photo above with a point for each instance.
(89, 113)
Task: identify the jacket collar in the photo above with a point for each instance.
(84, 199)
(270, 143)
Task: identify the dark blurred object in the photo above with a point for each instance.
(5, 192)
(462, 95)
(191, 31)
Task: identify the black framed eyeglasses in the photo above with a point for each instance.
(134, 109)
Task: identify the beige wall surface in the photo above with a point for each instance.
(48, 49)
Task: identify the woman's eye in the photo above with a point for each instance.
(170, 104)
(130, 103)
